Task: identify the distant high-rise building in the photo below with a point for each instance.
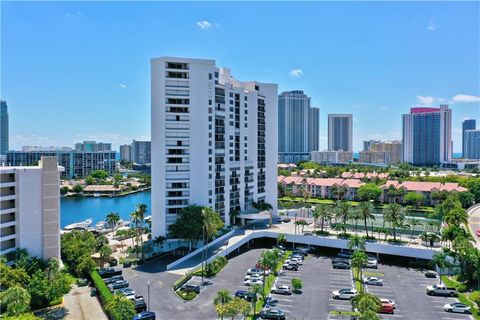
(297, 127)
(472, 144)
(30, 206)
(368, 143)
(469, 124)
(382, 152)
(340, 132)
(92, 146)
(3, 128)
(141, 151)
(427, 136)
(214, 140)
(126, 152)
(332, 156)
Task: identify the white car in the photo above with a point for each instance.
(294, 260)
(389, 301)
(374, 281)
(256, 276)
(344, 294)
(457, 307)
(256, 270)
(372, 263)
(282, 289)
(252, 282)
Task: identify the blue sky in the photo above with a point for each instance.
(80, 70)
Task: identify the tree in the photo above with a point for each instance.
(413, 222)
(466, 198)
(11, 277)
(77, 188)
(369, 315)
(365, 210)
(339, 191)
(301, 223)
(242, 306)
(15, 300)
(355, 216)
(120, 307)
(77, 248)
(99, 174)
(38, 289)
(322, 212)
(282, 238)
(158, 241)
(369, 191)
(223, 297)
(112, 219)
(456, 216)
(297, 285)
(359, 260)
(368, 302)
(255, 290)
(343, 209)
(189, 225)
(356, 243)
(394, 215)
(212, 222)
(414, 198)
(268, 260)
(441, 261)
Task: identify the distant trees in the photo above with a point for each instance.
(414, 198)
(394, 214)
(369, 191)
(77, 188)
(365, 210)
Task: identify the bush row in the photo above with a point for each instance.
(213, 268)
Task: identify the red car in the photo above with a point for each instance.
(387, 308)
(478, 232)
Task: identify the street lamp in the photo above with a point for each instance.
(148, 295)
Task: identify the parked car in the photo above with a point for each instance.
(301, 251)
(113, 279)
(431, 274)
(295, 261)
(386, 308)
(109, 272)
(281, 247)
(282, 289)
(441, 290)
(286, 219)
(341, 265)
(244, 295)
(191, 287)
(257, 270)
(290, 266)
(344, 294)
(347, 254)
(385, 300)
(119, 284)
(297, 256)
(112, 262)
(140, 305)
(374, 281)
(256, 276)
(125, 292)
(252, 282)
(275, 314)
(372, 263)
(145, 315)
(457, 307)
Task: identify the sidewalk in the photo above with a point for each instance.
(80, 305)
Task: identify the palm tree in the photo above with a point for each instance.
(339, 191)
(366, 213)
(413, 223)
(137, 220)
(355, 215)
(256, 290)
(359, 260)
(112, 220)
(281, 238)
(223, 296)
(343, 209)
(356, 243)
(268, 260)
(320, 212)
(394, 215)
(159, 241)
(439, 260)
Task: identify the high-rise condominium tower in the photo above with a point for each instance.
(297, 126)
(3, 127)
(214, 140)
(472, 144)
(427, 135)
(469, 124)
(340, 132)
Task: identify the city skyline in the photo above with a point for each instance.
(394, 68)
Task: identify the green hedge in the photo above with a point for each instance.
(213, 268)
(102, 289)
(180, 282)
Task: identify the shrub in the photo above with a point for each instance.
(103, 291)
(322, 233)
(213, 268)
(475, 297)
(180, 282)
(186, 295)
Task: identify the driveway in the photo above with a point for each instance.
(474, 222)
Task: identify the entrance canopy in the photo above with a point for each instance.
(254, 214)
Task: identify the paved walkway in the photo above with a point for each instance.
(474, 222)
(80, 305)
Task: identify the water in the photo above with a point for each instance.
(76, 209)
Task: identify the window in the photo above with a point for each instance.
(209, 76)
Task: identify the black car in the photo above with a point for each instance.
(112, 262)
(286, 220)
(191, 287)
(118, 285)
(274, 314)
(140, 304)
(113, 279)
(109, 272)
(145, 315)
(244, 295)
(340, 265)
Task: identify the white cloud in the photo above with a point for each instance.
(296, 73)
(465, 98)
(204, 24)
(428, 100)
(123, 86)
(431, 26)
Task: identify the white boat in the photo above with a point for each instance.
(79, 225)
(100, 225)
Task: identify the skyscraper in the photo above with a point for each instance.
(472, 144)
(469, 124)
(93, 146)
(340, 132)
(297, 126)
(214, 140)
(141, 151)
(427, 135)
(126, 152)
(3, 128)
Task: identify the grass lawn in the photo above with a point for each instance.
(462, 296)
